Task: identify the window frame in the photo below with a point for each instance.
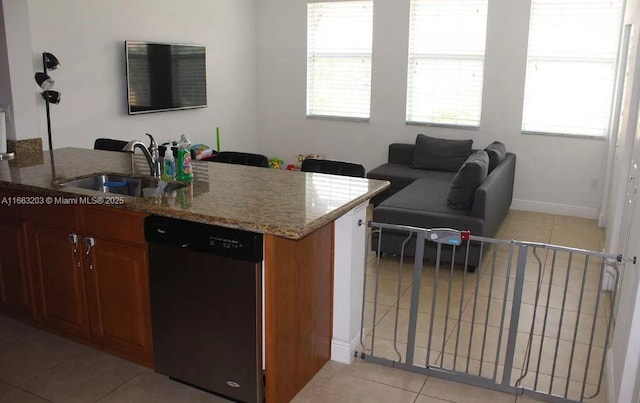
(589, 60)
(311, 108)
(415, 55)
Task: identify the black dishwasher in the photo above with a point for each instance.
(206, 308)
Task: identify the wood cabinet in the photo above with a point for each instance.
(298, 310)
(15, 283)
(117, 282)
(58, 269)
(91, 277)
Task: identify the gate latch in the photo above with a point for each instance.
(447, 235)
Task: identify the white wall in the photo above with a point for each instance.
(553, 174)
(5, 78)
(16, 77)
(623, 229)
(625, 349)
(88, 38)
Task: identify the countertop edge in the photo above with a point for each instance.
(285, 232)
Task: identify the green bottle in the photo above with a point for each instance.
(184, 171)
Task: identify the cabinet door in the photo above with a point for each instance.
(15, 284)
(61, 281)
(118, 289)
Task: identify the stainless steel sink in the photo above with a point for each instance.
(118, 184)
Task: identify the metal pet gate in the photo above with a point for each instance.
(530, 319)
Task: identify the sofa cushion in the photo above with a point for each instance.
(424, 204)
(426, 194)
(497, 152)
(471, 175)
(440, 154)
(401, 175)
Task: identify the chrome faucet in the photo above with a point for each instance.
(151, 154)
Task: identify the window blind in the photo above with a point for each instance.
(571, 64)
(339, 47)
(446, 61)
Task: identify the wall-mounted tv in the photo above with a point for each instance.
(165, 77)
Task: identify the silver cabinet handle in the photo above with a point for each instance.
(73, 238)
(89, 241)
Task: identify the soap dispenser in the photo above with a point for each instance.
(168, 166)
(184, 170)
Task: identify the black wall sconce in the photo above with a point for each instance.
(49, 62)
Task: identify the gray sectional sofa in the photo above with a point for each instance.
(423, 197)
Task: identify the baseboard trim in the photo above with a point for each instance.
(344, 352)
(555, 208)
(609, 374)
(602, 219)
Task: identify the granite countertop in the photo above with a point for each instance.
(283, 203)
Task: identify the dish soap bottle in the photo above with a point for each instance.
(184, 169)
(168, 166)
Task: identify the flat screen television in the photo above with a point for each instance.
(165, 77)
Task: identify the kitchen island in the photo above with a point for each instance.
(313, 243)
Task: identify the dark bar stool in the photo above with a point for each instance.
(109, 144)
(234, 157)
(333, 167)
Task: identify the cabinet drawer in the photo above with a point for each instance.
(115, 224)
(63, 217)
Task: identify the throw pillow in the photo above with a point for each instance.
(440, 154)
(471, 175)
(497, 152)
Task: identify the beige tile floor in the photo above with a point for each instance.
(37, 367)
(366, 382)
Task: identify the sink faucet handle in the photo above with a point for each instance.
(153, 144)
(154, 154)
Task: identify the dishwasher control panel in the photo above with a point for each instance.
(222, 241)
(226, 243)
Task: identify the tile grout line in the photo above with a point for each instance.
(34, 331)
(54, 364)
(34, 394)
(122, 385)
(21, 384)
(30, 330)
(424, 384)
(353, 375)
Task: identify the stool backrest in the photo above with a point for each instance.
(109, 144)
(333, 167)
(234, 157)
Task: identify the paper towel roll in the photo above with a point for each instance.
(3, 133)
